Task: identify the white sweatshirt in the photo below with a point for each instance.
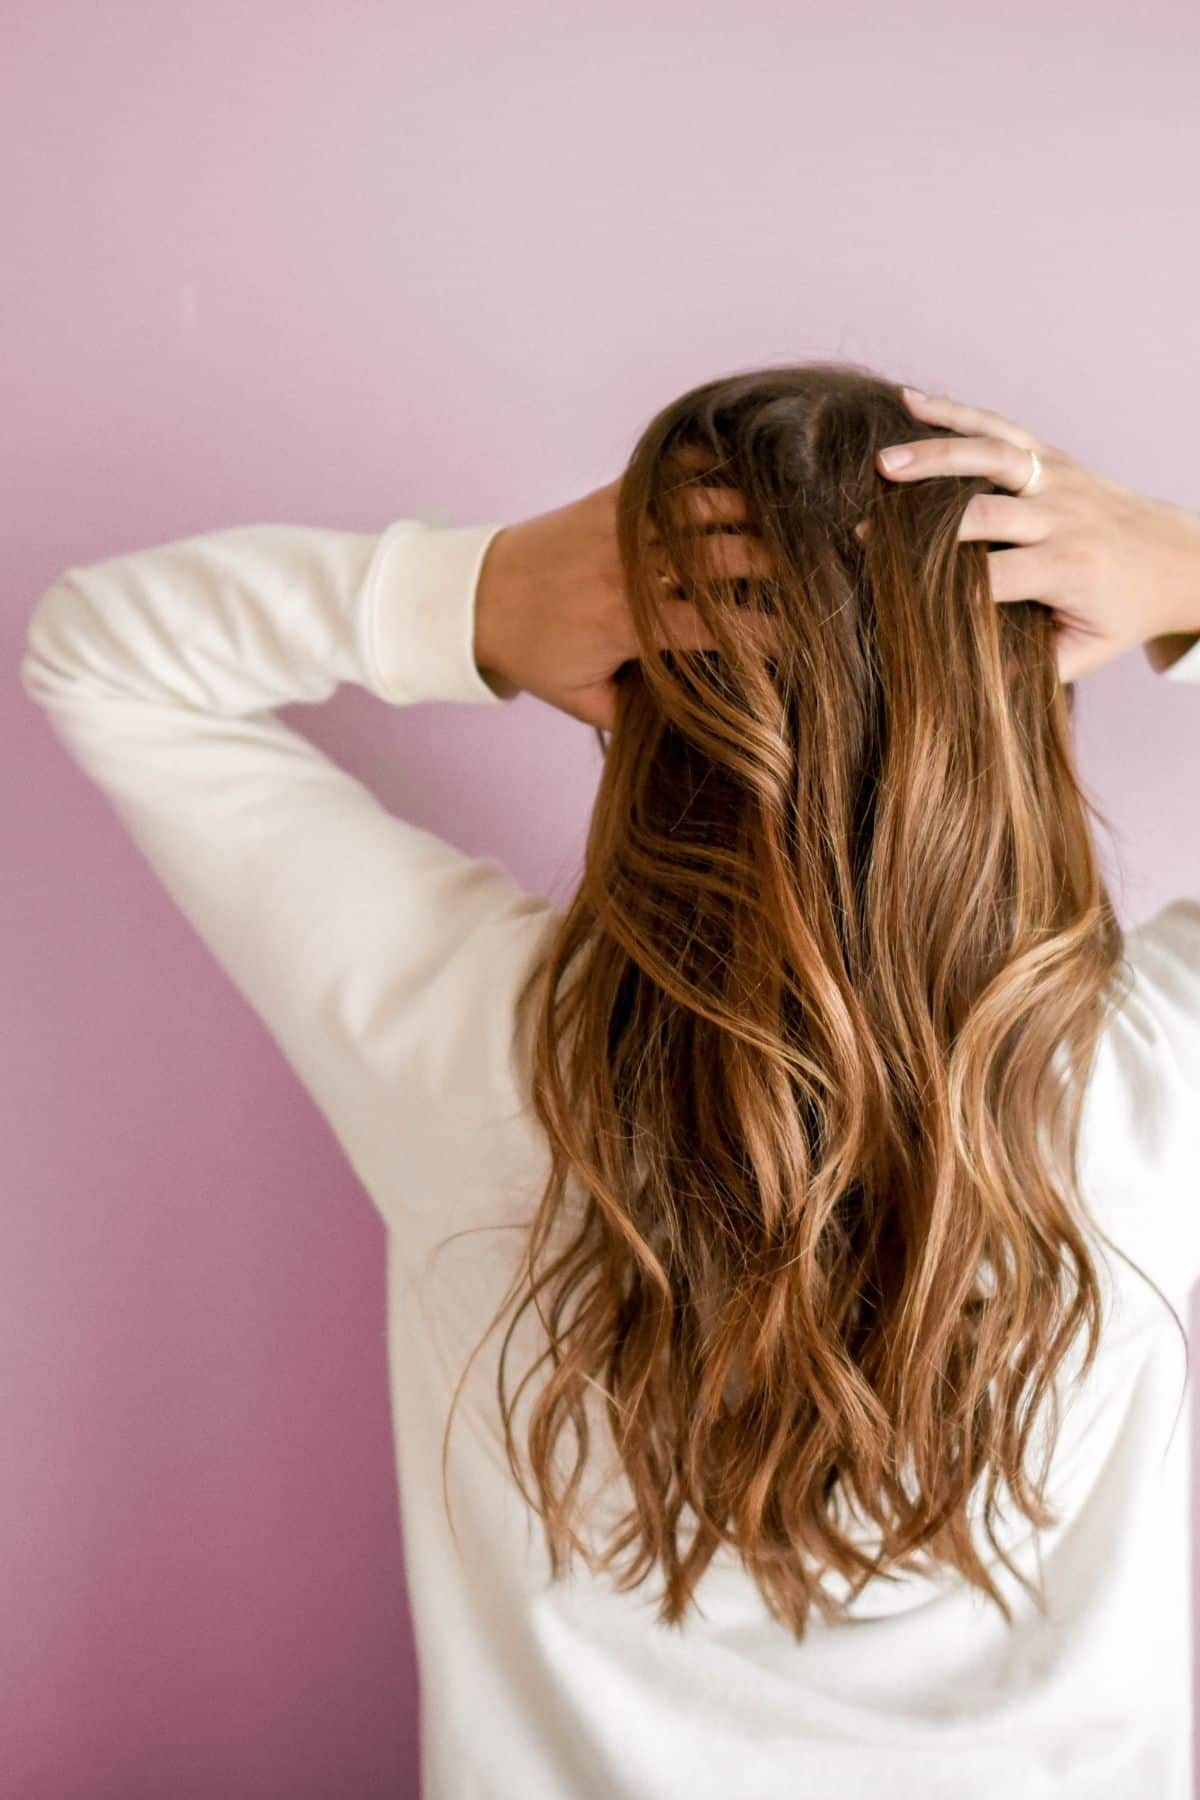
(385, 963)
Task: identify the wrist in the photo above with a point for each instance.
(493, 609)
(1179, 616)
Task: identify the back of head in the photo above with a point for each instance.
(812, 1036)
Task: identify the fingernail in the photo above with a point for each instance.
(913, 394)
(895, 458)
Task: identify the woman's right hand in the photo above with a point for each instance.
(1117, 569)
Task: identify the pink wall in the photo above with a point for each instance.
(338, 263)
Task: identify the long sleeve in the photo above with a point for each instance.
(383, 961)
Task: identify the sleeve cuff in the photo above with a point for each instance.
(419, 614)
(1187, 666)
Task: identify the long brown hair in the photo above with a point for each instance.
(810, 1041)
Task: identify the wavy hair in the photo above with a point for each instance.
(810, 1041)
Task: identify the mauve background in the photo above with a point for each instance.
(339, 263)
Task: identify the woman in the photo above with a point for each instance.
(831, 1156)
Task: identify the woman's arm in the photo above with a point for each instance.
(383, 961)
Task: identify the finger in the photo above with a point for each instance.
(1003, 519)
(1024, 575)
(971, 421)
(729, 556)
(1006, 464)
(679, 626)
(700, 506)
(735, 556)
(1019, 575)
(697, 457)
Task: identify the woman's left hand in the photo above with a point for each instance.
(551, 611)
